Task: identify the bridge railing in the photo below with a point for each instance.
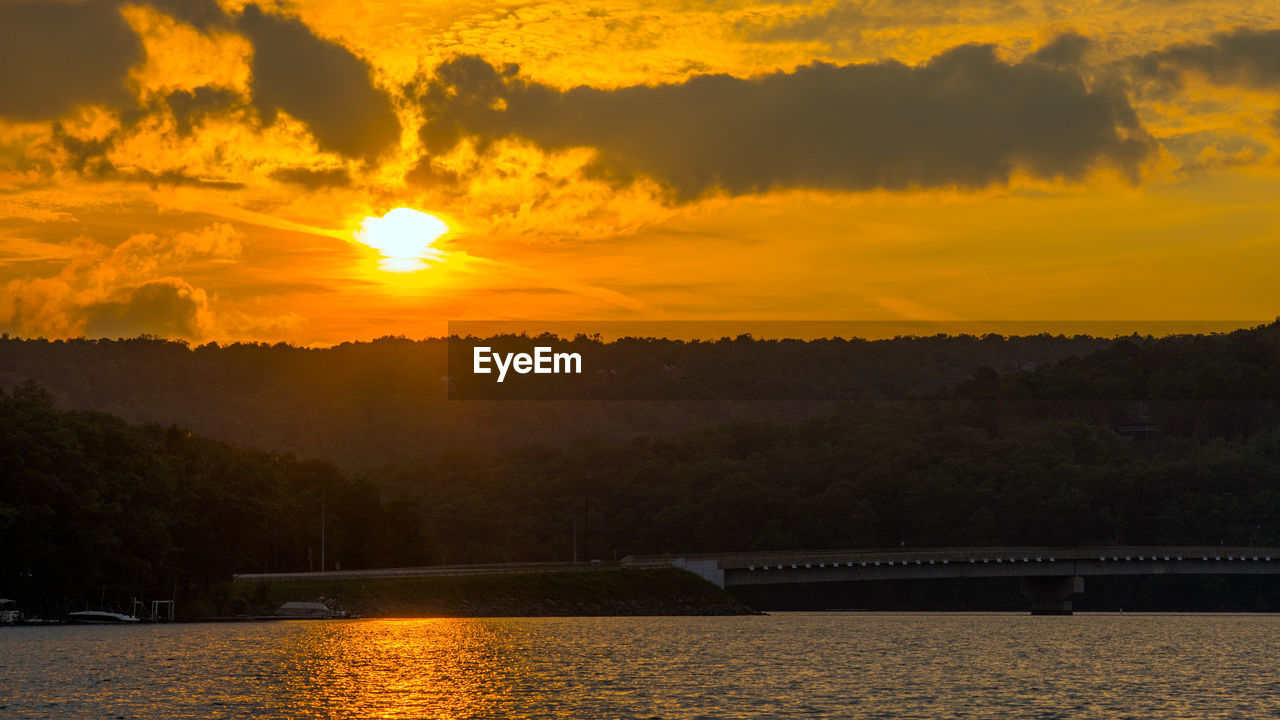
(736, 560)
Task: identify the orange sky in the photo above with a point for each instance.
(195, 169)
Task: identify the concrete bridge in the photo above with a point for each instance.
(1049, 576)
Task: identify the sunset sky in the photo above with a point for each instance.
(219, 170)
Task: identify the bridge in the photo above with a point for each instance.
(1049, 576)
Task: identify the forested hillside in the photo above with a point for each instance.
(364, 404)
(94, 510)
(1155, 441)
(1021, 458)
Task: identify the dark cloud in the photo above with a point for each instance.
(169, 308)
(190, 107)
(57, 55)
(425, 175)
(320, 83)
(88, 157)
(317, 81)
(312, 179)
(85, 156)
(203, 14)
(1066, 49)
(963, 119)
(177, 177)
(1244, 56)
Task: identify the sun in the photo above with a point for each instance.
(404, 237)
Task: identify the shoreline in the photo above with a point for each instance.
(576, 593)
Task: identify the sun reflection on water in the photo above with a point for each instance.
(441, 668)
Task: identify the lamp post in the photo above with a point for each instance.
(324, 496)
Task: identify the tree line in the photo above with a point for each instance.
(364, 404)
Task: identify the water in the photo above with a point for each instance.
(781, 666)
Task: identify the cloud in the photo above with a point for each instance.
(87, 155)
(169, 307)
(189, 107)
(320, 83)
(56, 55)
(127, 290)
(840, 20)
(845, 21)
(151, 253)
(426, 175)
(312, 178)
(201, 14)
(1067, 48)
(963, 119)
(1244, 57)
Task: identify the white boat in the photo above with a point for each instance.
(9, 614)
(305, 611)
(99, 617)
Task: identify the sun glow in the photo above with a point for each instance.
(404, 237)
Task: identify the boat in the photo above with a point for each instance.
(9, 614)
(99, 617)
(308, 611)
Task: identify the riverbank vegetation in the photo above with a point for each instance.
(588, 592)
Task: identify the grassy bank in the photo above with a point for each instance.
(597, 592)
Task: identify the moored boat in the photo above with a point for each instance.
(308, 611)
(99, 617)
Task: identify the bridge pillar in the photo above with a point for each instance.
(1051, 595)
(708, 570)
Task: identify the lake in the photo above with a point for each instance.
(846, 665)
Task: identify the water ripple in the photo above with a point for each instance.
(924, 667)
